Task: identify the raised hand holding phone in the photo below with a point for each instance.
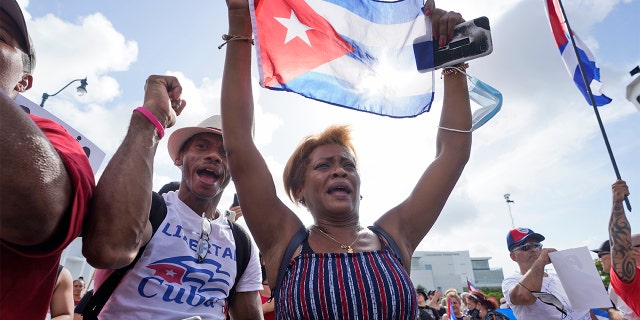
(471, 39)
(235, 211)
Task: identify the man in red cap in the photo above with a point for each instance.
(533, 293)
(45, 182)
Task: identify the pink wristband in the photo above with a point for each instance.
(147, 114)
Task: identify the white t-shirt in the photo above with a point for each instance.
(539, 310)
(169, 283)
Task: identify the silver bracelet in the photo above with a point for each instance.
(454, 130)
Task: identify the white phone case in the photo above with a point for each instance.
(471, 39)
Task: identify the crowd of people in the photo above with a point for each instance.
(471, 305)
(175, 254)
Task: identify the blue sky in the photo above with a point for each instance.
(544, 147)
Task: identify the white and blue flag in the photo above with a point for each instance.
(371, 56)
(591, 70)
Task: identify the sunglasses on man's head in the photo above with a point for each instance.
(203, 243)
(528, 246)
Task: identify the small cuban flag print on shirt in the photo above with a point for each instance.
(371, 56)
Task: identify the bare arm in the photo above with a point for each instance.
(268, 306)
(247, 305)
(613, 313)
(410, 221)
(623, 256)
(531, 281)
(433, 303)
(263, 211)
(119, 221)
(30, 166)
(62, 298)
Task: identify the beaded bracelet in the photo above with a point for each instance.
(233, 37)
(147, 114)
(454, 69)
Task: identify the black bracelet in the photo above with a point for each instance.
(234, 37)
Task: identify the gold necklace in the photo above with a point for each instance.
(349, 248)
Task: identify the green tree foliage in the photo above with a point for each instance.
(605, 276)
(490, 292)
(493, 292)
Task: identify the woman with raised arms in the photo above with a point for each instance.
(340, 270)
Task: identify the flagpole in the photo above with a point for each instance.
(593, 102)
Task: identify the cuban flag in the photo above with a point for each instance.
(371, 56)
(600, 314)
(470, 286)
(450, 311)
(591, 70)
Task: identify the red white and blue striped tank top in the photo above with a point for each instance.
(360, 285)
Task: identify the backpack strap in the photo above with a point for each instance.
(243, 255)
(291, 249)
(101, 296)
(58, 274)
(394, 246)
(158, 212)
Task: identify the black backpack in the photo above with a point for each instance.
(156, 216)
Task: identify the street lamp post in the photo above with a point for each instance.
(509, 202)
(81, 89)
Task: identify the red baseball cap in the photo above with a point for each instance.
(518, 236)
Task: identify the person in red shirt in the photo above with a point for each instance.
(625, 251)
(45, 182)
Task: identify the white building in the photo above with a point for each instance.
(450, 269)
(485, 276)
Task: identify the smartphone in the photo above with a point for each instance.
(235, 200)
(231, 215)
(471, 39)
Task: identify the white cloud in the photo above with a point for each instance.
(91, 48)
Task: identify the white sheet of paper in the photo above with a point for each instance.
(580, 278)
(93, 152)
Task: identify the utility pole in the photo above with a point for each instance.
(509, 202)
